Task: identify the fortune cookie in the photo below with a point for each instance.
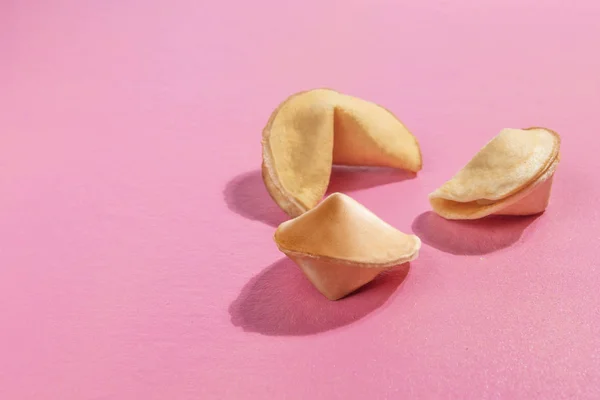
(311, 131)
(511, 175)
(340, 245)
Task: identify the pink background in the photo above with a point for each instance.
(136, 251)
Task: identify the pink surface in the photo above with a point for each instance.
(136, 252)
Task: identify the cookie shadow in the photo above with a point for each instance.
(349, 179)
(475, 237)
(280, 301)
(247, 196)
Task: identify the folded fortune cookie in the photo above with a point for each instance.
(511, 175)
(310, 131)
(340, 245)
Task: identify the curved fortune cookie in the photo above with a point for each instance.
(340, 245)
(311, 131)
(511, 175)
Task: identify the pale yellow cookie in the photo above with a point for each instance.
(340, 245)
(511, 175)
(311, 131)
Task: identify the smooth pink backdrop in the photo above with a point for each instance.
(136, 251)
